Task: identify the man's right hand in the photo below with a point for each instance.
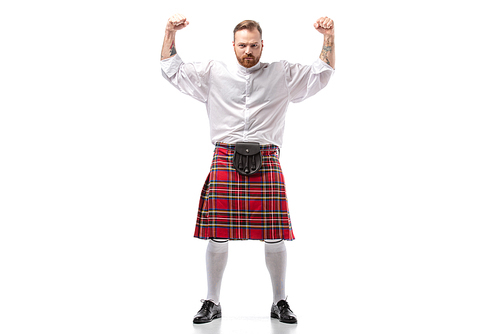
(177, 22)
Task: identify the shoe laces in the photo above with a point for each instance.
(283, 304)
(206, 304)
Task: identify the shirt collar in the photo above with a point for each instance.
(252, 69)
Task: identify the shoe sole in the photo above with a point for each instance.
(216, 316)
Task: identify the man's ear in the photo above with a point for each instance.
(233, 44)
(262, 43)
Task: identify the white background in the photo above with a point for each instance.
(392, 170)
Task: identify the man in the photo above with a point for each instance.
(244, 195)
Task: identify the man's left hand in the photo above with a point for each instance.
(325, 26)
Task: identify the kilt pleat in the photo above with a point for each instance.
(233, 206)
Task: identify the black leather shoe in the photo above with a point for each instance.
(208, 312)
(282, 312)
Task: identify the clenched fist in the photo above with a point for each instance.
(177, 22)
(325, 26)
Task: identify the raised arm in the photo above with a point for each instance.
(175, 23)
(325, 26)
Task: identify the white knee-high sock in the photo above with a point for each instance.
(276, 264)
(217, 253)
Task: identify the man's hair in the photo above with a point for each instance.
(249, 25)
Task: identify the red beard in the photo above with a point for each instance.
(248, 61)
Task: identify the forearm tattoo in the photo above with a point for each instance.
(172, 49)
(327, 49)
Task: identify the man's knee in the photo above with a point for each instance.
(275, 246)
(220, 241)
(273, 241)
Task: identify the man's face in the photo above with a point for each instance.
(248, 47)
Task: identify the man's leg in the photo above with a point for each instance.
(216, 259)
(276, 257)
(217, 253)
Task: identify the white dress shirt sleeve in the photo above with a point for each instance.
(304, 81)
(192, 79)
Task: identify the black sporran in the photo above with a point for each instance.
(247, 159)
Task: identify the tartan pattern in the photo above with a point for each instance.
(233, 206)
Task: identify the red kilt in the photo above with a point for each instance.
(233, 206)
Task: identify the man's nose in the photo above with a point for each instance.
(248, 51)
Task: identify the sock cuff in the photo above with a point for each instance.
(217, 246)
(275, 247)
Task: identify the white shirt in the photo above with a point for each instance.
(247, 104)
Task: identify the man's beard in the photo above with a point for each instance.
(248, 62)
